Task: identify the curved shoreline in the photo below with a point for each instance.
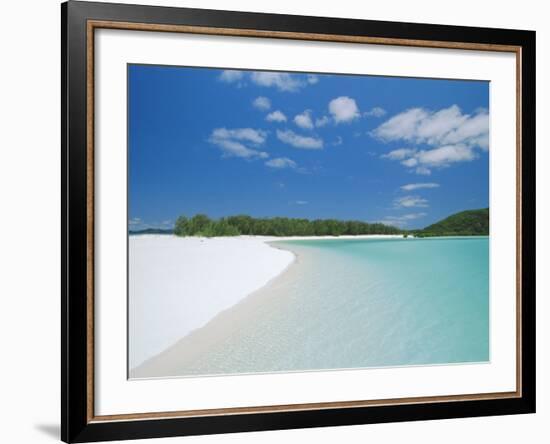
(178, 285)
(333, 296)
(187, 348)
(193, 347)
(233, 270)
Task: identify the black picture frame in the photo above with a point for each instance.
(76, 423)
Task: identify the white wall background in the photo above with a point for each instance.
(30, 208)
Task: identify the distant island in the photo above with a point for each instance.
(464, 223)
(153, 231)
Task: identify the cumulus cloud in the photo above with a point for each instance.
(400, 221)
(231, 76)
(423, 171)
(448, 126)
(303, 120)
(312, 79)
(375, 112)
(445, 155)
(239, 142)
(276, 116)
(413, 216)
(343, 109)
(248, 134)
(322, 121)
(298, 141)
(231, 148)
(419, 186)
(410, 162)
(410, 202)
(425, 160)
(262, 103)
(473, 132)
(280, 80)
(399, 154)
(281, 162)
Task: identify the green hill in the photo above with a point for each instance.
(465, 223)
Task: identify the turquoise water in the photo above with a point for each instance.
(353, 304)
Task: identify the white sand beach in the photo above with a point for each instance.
(179, 284)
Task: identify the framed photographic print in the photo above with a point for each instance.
(276, 221)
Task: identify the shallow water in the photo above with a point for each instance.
(352, 304)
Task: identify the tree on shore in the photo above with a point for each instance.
(181, 227)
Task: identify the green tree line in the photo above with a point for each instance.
(202, 225)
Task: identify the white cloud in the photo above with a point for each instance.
(338, 141)
(375, 112)
(281, 162)
(423, 171)
(262, 103)
(448, 126)
(400, 154)
(312, 79)
(298, 141)
(135, 221)
(474, 131)
(301, 202)
(231, 76)
(414, 216)
(445, 155)
(343, 109)
(418, 186)
(280, 80)
(411, 216)
(248, 134)
(303, 120)
(276, 116)
(410, 162)
(237, 142)
(322, 121)
(232, 148)
(425, 160)
(400, 221)
(403, 126)
(410, 202)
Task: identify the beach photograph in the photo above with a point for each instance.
(295, 222)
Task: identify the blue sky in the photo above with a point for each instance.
(402, 151)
